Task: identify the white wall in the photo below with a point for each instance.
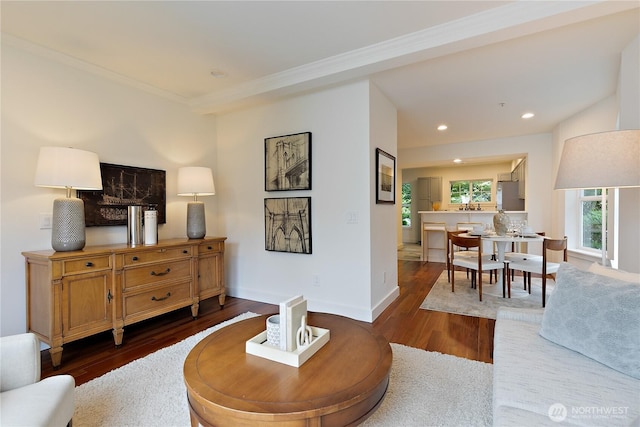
(629, 96)
(620, 111)
(384, 218)
(598, 117)
(47, 103)
(339, 120)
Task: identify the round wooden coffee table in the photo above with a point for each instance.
(342, 384)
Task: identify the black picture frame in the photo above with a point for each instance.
(385, 177)
(287, 162)
(287, 224)
(123, 186)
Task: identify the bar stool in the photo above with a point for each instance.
(467, 226)
(430, 227)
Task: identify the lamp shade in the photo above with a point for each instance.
(61, 167)
(195, 181)
(600, 160)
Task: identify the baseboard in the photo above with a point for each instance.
(352, 312)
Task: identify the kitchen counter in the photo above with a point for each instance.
(456, 211)
(451, 219)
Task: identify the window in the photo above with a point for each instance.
(590, 201)
(478, 191)
(406, 205)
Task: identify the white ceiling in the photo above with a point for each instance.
(474, 65)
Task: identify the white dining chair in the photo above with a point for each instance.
(541, 266)
(478, 263)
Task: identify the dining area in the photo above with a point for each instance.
(499, 250)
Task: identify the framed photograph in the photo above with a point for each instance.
(287, 225)
(287, 162)
(385, 177)
(123, 186)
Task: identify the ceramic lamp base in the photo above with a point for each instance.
(67, 225)
(196, 226)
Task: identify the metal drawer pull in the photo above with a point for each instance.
(162, 273)
(89, 264)
(209, 247)
(185, 251)
(135, 258)
(161, 298)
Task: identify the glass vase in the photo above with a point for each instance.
(501, 223)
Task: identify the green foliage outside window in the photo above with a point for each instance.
(406, 205)
(478, 191)
(592, 218)
(460, 192)
(481, 191)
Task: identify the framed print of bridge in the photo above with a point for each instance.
(287, 224)
(287, 162)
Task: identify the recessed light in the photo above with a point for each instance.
(442, 127)
(457, 160)
(218, 74)
(527, 115)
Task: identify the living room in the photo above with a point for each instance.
(51, 99)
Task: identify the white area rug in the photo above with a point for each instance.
(465, 299)
(426, 389)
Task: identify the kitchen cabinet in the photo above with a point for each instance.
(429, 191)
(518, 175)
(72, 295)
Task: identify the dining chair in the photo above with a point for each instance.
(517, 255)
(466, 252)
(541, 266)
(477, 263)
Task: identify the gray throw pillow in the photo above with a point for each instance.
(596, 316)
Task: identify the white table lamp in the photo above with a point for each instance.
(195, 181)
(600, 160)
(71, 169)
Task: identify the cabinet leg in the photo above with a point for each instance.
(117, 336)
(194, 310)
(56, 357)
(221, 298)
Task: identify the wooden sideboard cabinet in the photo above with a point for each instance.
(72, 295)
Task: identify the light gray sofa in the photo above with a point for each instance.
(24, 399)
(577, 362)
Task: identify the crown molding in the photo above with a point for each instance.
(511, 20)
(76, 63)
(514, 19)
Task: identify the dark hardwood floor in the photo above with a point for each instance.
(402, 322)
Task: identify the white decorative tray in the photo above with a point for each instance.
(258, 346)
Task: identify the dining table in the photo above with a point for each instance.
(501, 242)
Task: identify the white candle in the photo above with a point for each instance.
(150, 227)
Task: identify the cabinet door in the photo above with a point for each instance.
(429, 191)
(435, 185)
(86, 304)
(210, 275)
(424, 188)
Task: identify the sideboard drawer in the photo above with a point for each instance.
(205, 248)
(161, 254)
(86, 265)
(154, 273)
(157, 300)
